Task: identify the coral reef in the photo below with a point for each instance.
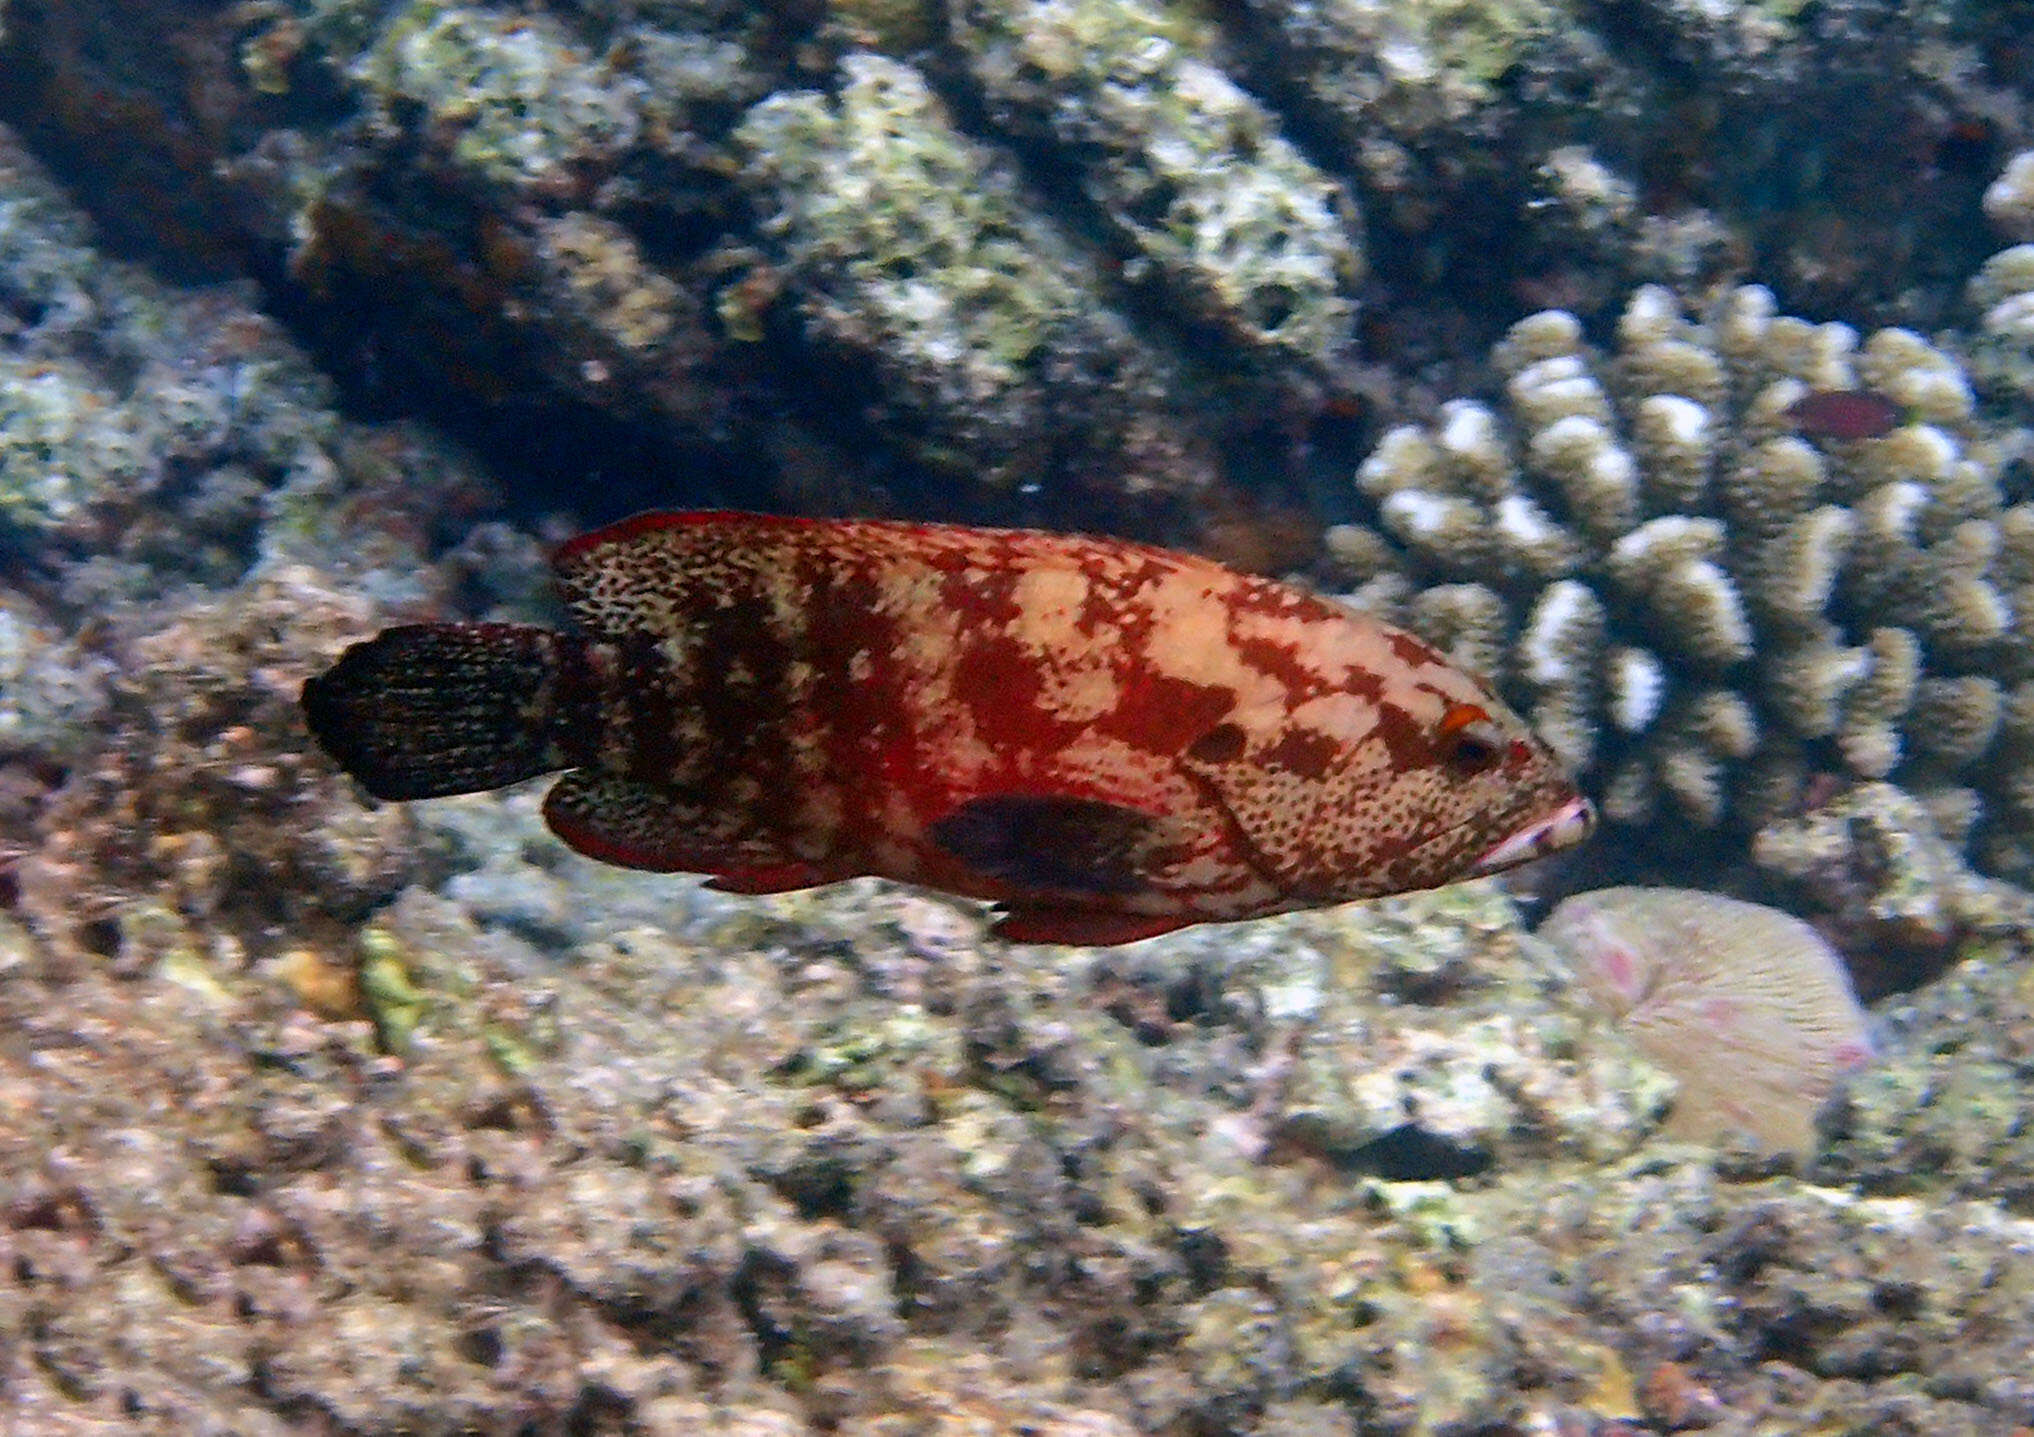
(190, 529)
(120, 400)
(1672, 143)
(319, 1115)
(1871, 866)
(1705, 603)
(2002, 344)
(623, 220)
(836, 1165)
(1188, 169)
(1930, 1118)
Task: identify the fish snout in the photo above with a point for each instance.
(1565, 827)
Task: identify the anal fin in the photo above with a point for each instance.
(632, 824)
(1084, 927)
(766, 878)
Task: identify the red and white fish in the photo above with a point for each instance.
(1106, 739)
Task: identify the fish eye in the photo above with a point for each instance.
(1470, 742)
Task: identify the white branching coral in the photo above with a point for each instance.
(1704, 594)
(2002, 297)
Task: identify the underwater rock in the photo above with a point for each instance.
(1190, 170)
(908, 250)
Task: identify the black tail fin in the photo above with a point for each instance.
(426, 710)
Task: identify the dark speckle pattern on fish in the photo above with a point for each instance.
(1108, 740)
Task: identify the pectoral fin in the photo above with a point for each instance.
(1052, 843)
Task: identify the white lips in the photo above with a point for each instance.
(1564, 828)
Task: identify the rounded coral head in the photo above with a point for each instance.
(1748, 1007)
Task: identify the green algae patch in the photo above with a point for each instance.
(394, 1001)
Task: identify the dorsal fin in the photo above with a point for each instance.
(637, 527)
(648, 573)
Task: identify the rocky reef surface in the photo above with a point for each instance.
(320, 1116)
(837, 1166)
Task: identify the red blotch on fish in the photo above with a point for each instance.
(1844, 414)
(1107, 740)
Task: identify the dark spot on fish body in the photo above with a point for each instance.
(1409, 742)
(983, 597)
(585, 686)
(841, 621)
(1221, 744)
(1124, 590)
(1303, 752)
(1412, 652)
(1165, 715)
(717, 711)
(998, 678)
(1280, 660)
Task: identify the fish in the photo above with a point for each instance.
(1106, 740)
(1747, 1007)
(1845, 414)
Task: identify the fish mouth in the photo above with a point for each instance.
(1565, 827)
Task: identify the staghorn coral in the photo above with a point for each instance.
(1698, 604)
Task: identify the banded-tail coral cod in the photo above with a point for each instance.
(1108, 740)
